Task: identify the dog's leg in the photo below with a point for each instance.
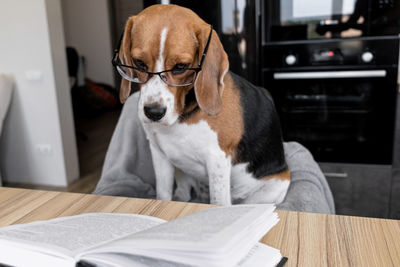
(164, 171)
(219, 176)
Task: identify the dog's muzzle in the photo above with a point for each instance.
(154, 112)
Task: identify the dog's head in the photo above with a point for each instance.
(169, 37)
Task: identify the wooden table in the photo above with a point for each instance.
(306, 239)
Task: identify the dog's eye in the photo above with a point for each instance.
(180, 68)
(140, 64)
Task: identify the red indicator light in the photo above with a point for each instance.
(330, 53)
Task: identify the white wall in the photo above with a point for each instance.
(87, 28)
(38, 143)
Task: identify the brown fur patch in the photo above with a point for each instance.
(283, 176)
(228, 124)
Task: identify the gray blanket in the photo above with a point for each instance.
(128, 169)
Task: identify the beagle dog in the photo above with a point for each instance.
(205, 125)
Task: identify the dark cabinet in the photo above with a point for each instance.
(360, 190)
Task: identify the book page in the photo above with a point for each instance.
(209, 237)
(71, 234)
(200, 226)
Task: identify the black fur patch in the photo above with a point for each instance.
(191, 106)
(261, 145)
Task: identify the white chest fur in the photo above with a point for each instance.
(187, 147)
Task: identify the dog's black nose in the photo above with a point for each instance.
(154, 112)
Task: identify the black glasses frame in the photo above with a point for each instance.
(117, 62)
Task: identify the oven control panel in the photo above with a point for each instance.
(361, 52)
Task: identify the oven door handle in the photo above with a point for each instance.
(336, 174)
(330, 74)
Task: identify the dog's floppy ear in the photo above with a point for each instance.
(209, 84)
(125, 57)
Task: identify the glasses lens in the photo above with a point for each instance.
(132, 75)
(186, 77)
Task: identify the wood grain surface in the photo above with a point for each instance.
(306, 239)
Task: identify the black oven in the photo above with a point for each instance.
(332, 66)
(337, 97)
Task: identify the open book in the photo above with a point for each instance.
(222, 236)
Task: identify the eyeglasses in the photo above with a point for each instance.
(180, 75)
